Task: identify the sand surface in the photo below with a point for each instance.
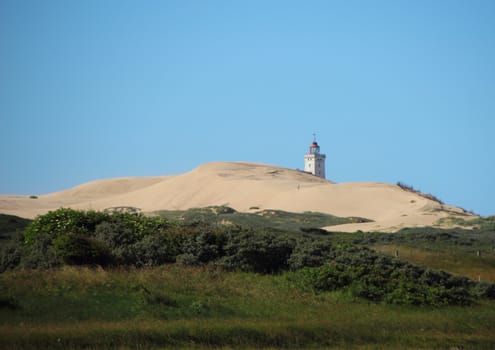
(246, 187)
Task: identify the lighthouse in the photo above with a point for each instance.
(314, 161)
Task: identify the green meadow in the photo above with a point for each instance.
(186, 307)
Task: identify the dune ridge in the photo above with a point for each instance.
(246, 187)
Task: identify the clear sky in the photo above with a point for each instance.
(395, 90)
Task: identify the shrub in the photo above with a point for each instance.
(10, 257)
(78, 249)
(79, 237)
(120, 239)
(310, 253)
(158, 249)
(484, 290)
(39, 254)
(137, 240)
(378, 278)
(257, 252)
(63, 221)
(201, 248)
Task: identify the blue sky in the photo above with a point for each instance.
(395, 90)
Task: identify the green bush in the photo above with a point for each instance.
(379, 278)
(310, 253)
(78, 249)
(158, 249)
(63, 221)
(262, 252)
(121, 239)
(11, 253)
(78, 237)
(484, 290)
(39, 254)
(201, 248)
(10, 257)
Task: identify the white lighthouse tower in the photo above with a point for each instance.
(314, 162)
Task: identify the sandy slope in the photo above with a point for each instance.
(245, 187)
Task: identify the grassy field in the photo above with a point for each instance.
(179, 307)
(476, 267)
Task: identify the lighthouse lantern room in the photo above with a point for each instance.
(314, 161)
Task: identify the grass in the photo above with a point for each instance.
(454, 240)
(465, 264)
(179, 307)
(477, 224)
(276, 219)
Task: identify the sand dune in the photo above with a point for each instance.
(245, 187)
(104, 188)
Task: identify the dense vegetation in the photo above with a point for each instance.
(277, 219)
(70, 237)
(121, 280)
(481, 239)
